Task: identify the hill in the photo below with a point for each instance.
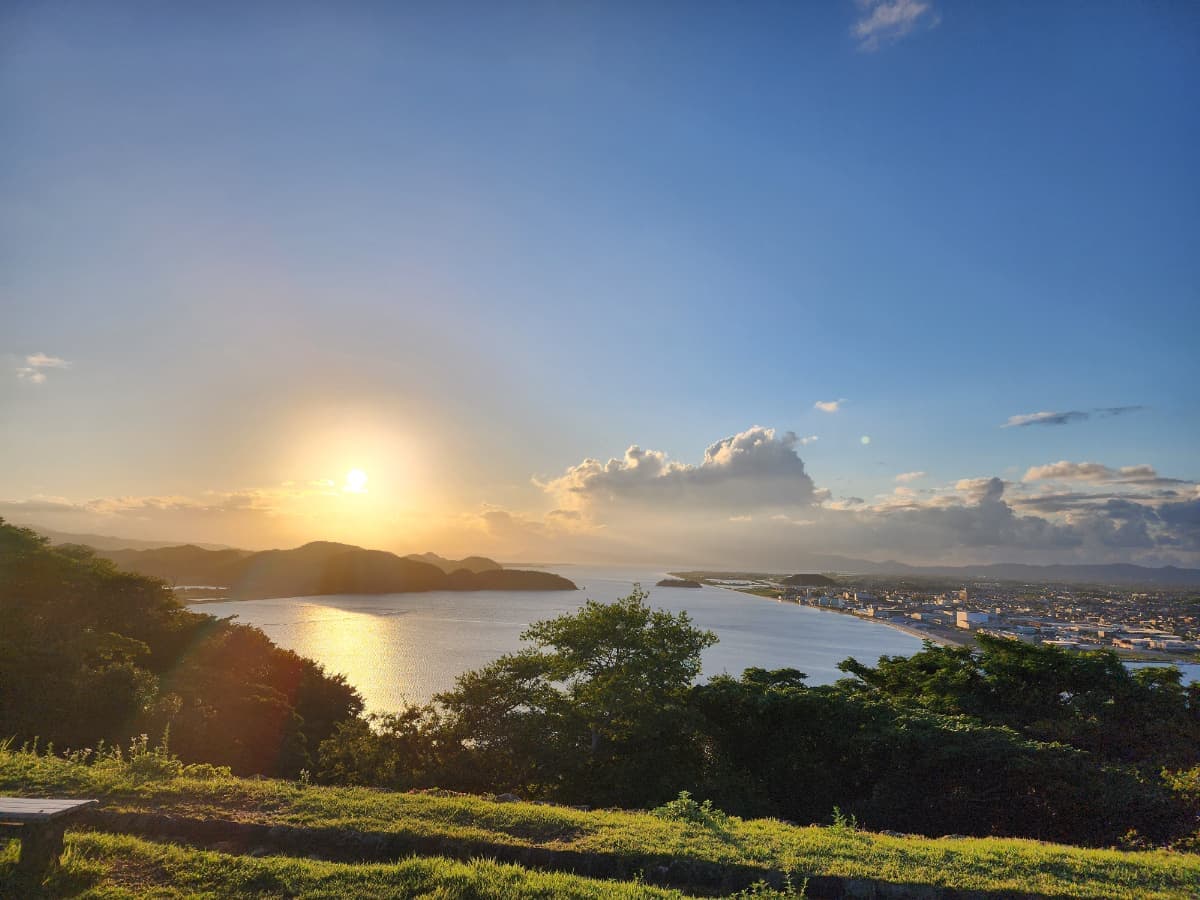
(108, 542)
(283, 838)
(449, 566)
(322, 567)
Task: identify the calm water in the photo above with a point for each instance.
(407, 647)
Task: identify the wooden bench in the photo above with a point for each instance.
(40, 825)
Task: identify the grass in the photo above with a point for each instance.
(640, 840)
(114, 866)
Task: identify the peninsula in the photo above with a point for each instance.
(324, 567)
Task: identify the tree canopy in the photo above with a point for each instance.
(89, 653)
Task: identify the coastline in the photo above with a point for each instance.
(937, 638)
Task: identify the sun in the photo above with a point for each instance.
(356, 482)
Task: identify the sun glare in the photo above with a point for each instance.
(356, 482)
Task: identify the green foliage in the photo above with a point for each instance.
(776, 747)
(90, 654)
(595, 710)
(399, 751)
(1089, 700)
(146, 763)
(684, 809)
(843, 822)
(761, 889)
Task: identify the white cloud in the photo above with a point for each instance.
(755, 468)
(886, 21)
(35, 363)
(909, 477)
(829, 406)
(1065, 470)
(42, 361)
(811, 439)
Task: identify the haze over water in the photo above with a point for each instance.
(398, 648)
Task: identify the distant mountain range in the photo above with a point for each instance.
(323, 567)
(182, 565)
(107, 542)
(1069, 573)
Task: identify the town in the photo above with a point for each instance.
(1138, 623)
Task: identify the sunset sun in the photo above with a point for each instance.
(356, 482)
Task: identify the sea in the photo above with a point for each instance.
(400, 649)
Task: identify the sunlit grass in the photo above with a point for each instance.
(639, 840)
(114, 866)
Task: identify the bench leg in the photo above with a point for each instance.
(41, 847)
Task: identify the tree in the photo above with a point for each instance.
(1088, 700)
(596, 707)
(90, 653)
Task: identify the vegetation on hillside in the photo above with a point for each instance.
(89, 653)
(687, 836)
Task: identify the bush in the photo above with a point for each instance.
(684, 809)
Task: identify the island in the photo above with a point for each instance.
(679, 583)
(324, 567)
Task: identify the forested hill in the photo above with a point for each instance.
(470, 563)
(322, 567)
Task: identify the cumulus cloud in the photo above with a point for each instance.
(751, 501)
(829, 406)
(887, 21)
(35, 363)
(754, 468)
(811, 439)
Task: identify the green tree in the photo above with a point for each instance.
(90, 653)
(1088, 700)
(595, 708)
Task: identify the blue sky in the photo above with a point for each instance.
(466, 247)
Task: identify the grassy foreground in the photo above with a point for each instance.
(119, 866)
(467, 826)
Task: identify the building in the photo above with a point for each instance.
(971, 620)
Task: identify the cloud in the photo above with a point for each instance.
(887, 21)
(752, 502)
(829, 406)
(1065, 470)
(35, 363)
(755, 468)
(1044, 418)
(811, 439)
(1066, 418)
(42, 361)
(1106, 412)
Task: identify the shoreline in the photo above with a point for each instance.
(911, 630)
